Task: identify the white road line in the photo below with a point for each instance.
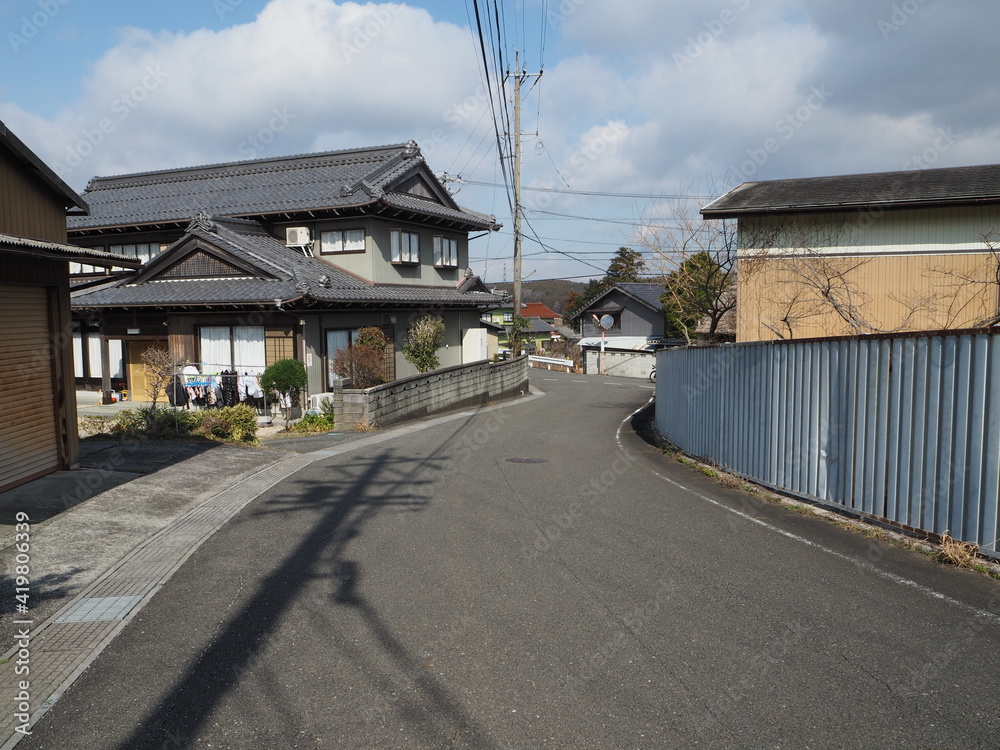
(867, 567)
(579, 381)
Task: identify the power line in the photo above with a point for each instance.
(600, 194)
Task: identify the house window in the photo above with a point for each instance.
(239, 348)
(445, 252)
(342, 241)
(336, 340)
(405, 246)
(508, 317)
(279, 345)
(141, 252)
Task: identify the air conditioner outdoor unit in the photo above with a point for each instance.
(297, 236)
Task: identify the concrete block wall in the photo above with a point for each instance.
(619, 364)
(448, 388)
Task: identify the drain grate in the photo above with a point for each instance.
(527, 460)
(100, 609)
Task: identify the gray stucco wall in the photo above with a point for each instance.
(619, 364)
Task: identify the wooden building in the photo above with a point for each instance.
(38, 432)
(869, 253)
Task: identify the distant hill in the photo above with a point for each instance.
(550, 293)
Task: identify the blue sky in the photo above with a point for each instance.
(640, 101)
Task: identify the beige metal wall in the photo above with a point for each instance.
(786, 297)
(868, 272)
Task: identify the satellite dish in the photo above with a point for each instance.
(606, 322)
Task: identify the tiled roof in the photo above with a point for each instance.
(916, 188)
(644, 292)
(537, 310)
(537, 325)
(280, 273)
(296, 184)
(61, 251)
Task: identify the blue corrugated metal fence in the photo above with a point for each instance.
(905, 428)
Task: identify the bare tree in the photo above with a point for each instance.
(799, 277)
(159, 366)
(967, 295)
(697, 262)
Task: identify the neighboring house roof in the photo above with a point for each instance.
(537, 325)
(910, 189)
(492, 327)
(391, 180)
(647, 294)
(537, 310)
(32, 164)
(58, 251)
(236, 262)
(567, 333)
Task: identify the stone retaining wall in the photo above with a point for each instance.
(441, 390)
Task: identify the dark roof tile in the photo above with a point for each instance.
(309, 182)
(949, 186)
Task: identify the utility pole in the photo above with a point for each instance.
(519, 77)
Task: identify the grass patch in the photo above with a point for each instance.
(961, 554)
(312, 424)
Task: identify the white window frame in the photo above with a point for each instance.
(335, 241)
(508, 317)
(445, 252)
(404, 246)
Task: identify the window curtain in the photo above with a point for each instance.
(78, 370)
(216, 350)
(248, 349)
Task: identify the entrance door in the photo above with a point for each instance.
(138, 385)
(29, 431)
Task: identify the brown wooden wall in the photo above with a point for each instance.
(28, 207)
(895, 293)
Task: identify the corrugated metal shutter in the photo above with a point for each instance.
(29, 438)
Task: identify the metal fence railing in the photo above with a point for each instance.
(904, 428)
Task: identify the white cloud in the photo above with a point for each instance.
(303, 74)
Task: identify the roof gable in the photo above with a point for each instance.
(201, 264)
(645, 294)
(197, 256)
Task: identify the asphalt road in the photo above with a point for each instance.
(537, 576)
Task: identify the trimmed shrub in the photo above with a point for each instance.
(237, 424)
(423, 340)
